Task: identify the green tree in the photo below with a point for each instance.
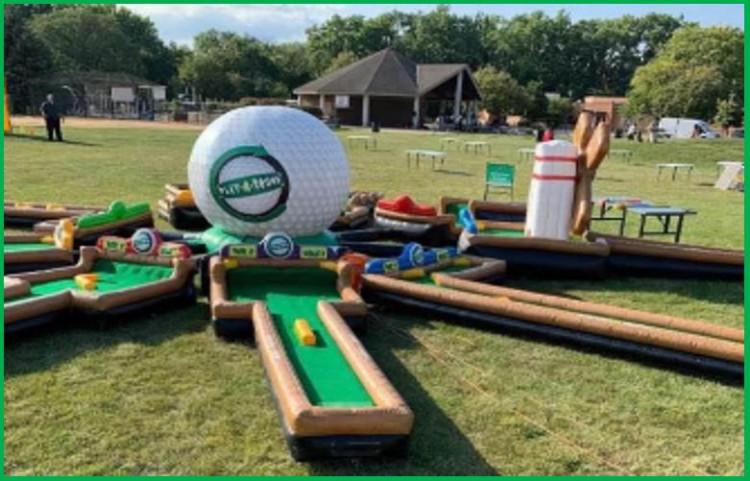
(342, 60)
(441, 37)
(502, 94)
(694, 70)
(26, 57)
(559, 110)
(293, 64)
(87, 38)
(228, 66)
(728, 113)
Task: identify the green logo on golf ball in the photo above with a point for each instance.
(249, 184)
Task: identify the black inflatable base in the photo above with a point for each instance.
(646, 266)
(35, 266)
(310, 448)
(658, 356)
(544, 264)
(189, 219)
(186, 296)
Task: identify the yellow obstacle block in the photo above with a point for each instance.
(230, 263)
(184, 197)
(481, 225)
(304, 333)
(48, 239)
(54, 207)
(330, 265)
(461, 262)
(502, 298)
(86, 281)
(415, 273)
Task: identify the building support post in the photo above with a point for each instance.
(322, 104)
(417, 113)
(365, 110)
(459, 95)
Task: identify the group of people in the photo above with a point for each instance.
(634, 133)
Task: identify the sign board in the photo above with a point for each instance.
(499, 174)
(342, 101)
(732, 175)
(122, 94)
(159, 92)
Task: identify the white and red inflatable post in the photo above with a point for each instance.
(552, 189)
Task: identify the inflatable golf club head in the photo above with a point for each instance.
(256, 170)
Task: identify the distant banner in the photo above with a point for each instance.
(123, 94)
(342, 101)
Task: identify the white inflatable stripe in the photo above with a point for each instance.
(551, 192)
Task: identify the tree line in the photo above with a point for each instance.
(664, 64)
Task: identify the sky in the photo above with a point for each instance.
(282, 23)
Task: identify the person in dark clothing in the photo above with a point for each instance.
(51, 116)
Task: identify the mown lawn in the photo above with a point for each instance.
(161, 395)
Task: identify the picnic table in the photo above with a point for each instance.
(418, 153)
(664, 215)
(675, 167)
(364, 139)
(615, 209)
(479, 146)
(626, 154)
(525, 153)
(448, 141)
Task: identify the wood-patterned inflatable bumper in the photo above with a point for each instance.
(126, 282)
(331, 396)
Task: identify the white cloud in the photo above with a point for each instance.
(271, 22)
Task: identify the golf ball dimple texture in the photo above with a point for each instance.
(243, 194)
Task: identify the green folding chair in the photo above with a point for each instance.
(499, 176)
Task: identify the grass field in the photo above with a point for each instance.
(161, 395)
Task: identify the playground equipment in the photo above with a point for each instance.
(115, 277)
(54, 242)
(300, 295)
(331, 396)
(462, 295)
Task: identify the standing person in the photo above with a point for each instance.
(631, 132)
(51, 116)
(549, 134)
(653, 128)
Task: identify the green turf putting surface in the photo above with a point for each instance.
(113, 276)
(502, 233)
(23, 246)
(291, 294)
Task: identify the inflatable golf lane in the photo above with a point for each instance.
(117, 276)
(399, 221)
(358, 213)
(179, 209)
(332, 398)
(55, 243)
(445, 283)
(661, 259)
(24, 214)
(529, 256)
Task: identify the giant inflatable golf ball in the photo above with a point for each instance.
(261, 169)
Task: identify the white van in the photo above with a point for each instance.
(683, 128)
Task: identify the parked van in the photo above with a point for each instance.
(683, 128)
